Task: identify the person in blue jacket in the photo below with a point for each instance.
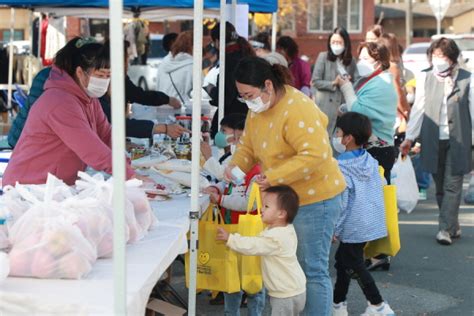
(362, 218)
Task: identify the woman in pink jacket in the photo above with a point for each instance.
(67, 130)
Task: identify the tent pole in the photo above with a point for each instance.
(223, 20)
(30, 59)
(10, 58)
(234, 12)
(196, 153)
(118, 156)
(274, 30)
(39, 37)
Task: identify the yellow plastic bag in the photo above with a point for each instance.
(217, 266)
(389, 245)
(251, 225)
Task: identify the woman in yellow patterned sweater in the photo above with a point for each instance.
(285, 133)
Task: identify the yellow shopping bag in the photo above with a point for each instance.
(217, 266)
(389, 245)
(251, 225)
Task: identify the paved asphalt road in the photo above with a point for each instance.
(425, 278)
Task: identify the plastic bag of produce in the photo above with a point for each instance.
(143, 211)
(46, 243)
(96, 187)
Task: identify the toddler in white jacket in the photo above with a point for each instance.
(283, 276)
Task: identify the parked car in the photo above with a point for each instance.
(465, 43)
(414, 57)
(145, 76)
(19, 47)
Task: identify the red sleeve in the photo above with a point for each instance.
(71, 125)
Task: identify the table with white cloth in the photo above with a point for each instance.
(147, 260)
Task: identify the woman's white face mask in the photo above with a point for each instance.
(97, 87)
(257, 105)
(365, 67)
(440, 65)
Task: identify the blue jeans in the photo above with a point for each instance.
(255, 303)
(314, 225)
(423, 178)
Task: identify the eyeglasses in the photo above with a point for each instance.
(242, 99)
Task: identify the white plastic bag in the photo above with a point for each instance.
(141, 205)
(403, 176)
(96, 187)
(46, 242)
(4, 266)
(93, 219)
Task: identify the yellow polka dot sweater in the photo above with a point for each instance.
(291, 144)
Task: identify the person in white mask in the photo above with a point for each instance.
(442, 118)
(285, 133)
(374, 95)
(67, 130)
(337, 60)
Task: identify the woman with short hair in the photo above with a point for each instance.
(442, 117)
(374, 95)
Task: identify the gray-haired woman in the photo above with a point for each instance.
(442, 116)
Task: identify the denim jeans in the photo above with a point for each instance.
(314, 227)
(423, 178)
(255, 303)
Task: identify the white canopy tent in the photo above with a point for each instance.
(116, 13)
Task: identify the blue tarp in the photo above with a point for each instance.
(254, 5)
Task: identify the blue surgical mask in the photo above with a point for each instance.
(221, 139)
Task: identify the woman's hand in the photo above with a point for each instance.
(339, 81)
(206, 150)
(176, 130)
(174, 103)
(405, 147)
(262, 182)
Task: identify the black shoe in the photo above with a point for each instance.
(218, 300)
(383, 264)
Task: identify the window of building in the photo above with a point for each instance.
(18, 35)
(325, 15)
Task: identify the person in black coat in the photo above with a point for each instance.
(237, 48)
(144, 128)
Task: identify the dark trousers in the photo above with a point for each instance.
(448, 190)
(386, 158)
(350, 265)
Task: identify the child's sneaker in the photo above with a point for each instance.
(422, 195)
(381, 310)
(339, 309)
